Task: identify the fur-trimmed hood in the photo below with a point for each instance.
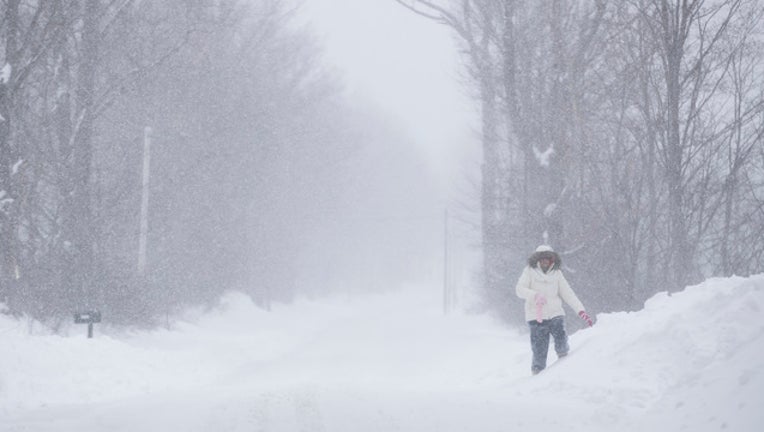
(545, 251)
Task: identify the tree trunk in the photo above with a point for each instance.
(491, 200)
(8, 155)
(79, 278)
(675, 27)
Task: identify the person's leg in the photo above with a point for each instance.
(557, 328)
(539, 344)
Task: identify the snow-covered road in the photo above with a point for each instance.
(393, 362)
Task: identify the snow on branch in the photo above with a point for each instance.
(5, 74)
(15, 168)
(543, 157)
(4, 200)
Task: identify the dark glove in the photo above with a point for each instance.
(584, 316)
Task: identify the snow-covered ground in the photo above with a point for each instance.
(691, 361)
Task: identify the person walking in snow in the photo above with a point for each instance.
(544, 288)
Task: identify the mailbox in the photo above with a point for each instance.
(88, 318)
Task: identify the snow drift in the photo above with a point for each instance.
(393, 362)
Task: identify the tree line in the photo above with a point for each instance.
(244, 125)
(627, 135)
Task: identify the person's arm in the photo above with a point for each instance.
(523, 288)
(567, 294)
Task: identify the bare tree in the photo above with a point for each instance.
(28, 35)
(529, 62)
(611, 120)
(738, 137)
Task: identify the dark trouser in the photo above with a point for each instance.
(540, 332)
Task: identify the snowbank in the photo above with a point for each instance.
(692, 361)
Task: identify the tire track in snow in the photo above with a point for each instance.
(307, 411)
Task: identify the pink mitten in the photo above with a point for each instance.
(539, 299)
(584, 316)
(540, 302)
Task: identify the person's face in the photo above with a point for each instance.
(545, 263)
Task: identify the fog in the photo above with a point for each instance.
(160, 155)
(310, 148)
(311, 215)
(420, 154)
(411, 69)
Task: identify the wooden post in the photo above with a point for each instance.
(446, 293)
(144, 201)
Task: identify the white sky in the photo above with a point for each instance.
(408, 66)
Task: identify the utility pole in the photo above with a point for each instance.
(144, 202)
(446, 290)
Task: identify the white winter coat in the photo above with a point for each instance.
(551, 285)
